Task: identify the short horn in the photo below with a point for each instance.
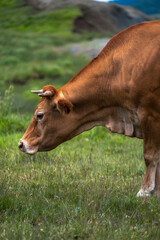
(45, 94)
(37, 91)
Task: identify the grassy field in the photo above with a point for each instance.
(84, 189)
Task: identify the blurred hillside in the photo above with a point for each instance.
(36, 41)
(108, 18)
(67, 16)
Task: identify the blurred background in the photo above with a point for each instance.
(48, 41)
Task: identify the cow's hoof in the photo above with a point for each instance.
(143, 193)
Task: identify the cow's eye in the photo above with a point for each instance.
(39, 116)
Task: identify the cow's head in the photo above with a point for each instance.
(51, 123)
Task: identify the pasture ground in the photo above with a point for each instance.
(84, 189)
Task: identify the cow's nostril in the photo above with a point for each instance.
(20, 145)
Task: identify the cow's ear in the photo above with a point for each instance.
(64, 106)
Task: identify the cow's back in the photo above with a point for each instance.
(135, 53)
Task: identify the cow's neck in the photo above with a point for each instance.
(92, 85)
(91, 94)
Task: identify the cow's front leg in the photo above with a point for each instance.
(148, 184)
(157, 179)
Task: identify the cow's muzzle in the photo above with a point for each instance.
(23, 146)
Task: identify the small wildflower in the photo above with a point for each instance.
(144, 201)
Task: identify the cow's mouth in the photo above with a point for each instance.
(24, 147)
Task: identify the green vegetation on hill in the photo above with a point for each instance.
(12, 3)
(25, 19)
(30, 61)
(30, 48)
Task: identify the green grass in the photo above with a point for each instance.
(24, 19)
(5, 4)
(84, 189)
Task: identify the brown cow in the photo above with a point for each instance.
(119, 89)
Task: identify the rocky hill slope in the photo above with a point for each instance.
(95, 16)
